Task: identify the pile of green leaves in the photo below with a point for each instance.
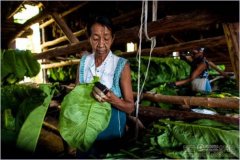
(82, 118)
(15, 64)
(23, 110)
(64, 74)
(201, 139)
(161, 70)
(227, 85)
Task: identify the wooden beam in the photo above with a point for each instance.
(63, 14)
(169, 24)
(229, 103)
(162, 26)
(166, 50)
(126, 17)
(62, 39)
(61, 64)
(231, 31)
(218, 54)
(15, 10)
(27, 24)
(118, 20)
(66, 30)
(151, 114)
(159, 51)
(63, 50)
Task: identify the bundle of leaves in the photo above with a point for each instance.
(161, 70)
(227, 85)
(15, 64)
(82, 118)
(66, 74)
(201, 139)
(23, 110)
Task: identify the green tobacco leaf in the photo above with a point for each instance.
(165, 140)
(196, 134)
(161, 70)
(208, 122)
(82, 118)
(30, 130)
(17, 64)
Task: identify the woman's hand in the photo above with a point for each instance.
(99, 92)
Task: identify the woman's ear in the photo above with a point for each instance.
(113, 38)
(90, 40)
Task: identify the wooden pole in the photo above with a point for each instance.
(228, 103)
(66, 30)
(62, 39)
(45, 24)
(231, 31)
(166, 50)
(126, 17)
(61, 64)
(169, 24)
(159, 51)
(27, 24)
(15, 10)
(63, 50)
(150, 114)
(118, 20)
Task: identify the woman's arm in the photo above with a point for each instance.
(194, 75)
(125, 104)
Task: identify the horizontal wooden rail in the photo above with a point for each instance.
(229, 103)
(150, 114)
(61, 64)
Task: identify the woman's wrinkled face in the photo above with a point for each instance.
(101, 39)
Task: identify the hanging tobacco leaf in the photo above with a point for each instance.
(15, 64)
(30, 130)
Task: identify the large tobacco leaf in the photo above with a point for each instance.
(31, 128)
(82, 118)
(15, 64)
(23, 108)
(202, 134)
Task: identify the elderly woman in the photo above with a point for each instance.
(113, 72)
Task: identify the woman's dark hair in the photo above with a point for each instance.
(105, 21)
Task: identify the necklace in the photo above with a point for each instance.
(98, 72)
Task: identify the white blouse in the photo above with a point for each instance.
(105, 71)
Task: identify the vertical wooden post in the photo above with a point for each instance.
(44, 72)
(231, 31)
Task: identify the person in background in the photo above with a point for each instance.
(199, 73)
(115, 79)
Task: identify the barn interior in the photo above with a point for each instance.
(178, 27)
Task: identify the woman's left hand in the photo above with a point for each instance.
(99, 95)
